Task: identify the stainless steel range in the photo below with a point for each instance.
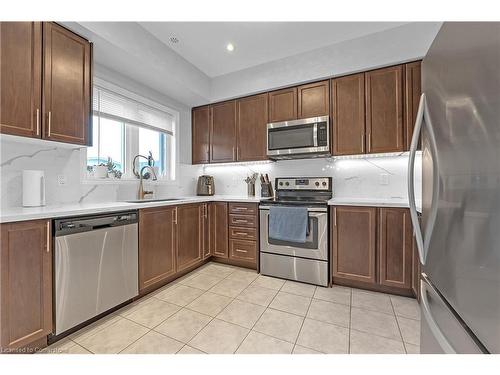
(304, 260)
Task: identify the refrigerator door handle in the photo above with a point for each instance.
(438, 335)
(411, 188)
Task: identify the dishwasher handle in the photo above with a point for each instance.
(74, 225)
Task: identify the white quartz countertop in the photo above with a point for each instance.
(13, 214)
(375, 202)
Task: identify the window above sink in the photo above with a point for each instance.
(126, 125)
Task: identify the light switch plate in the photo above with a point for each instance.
(61, 180)
(384, 179)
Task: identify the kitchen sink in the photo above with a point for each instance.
(152, 200)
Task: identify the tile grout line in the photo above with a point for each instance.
(211, 318)
(302, 325)
(399, 328)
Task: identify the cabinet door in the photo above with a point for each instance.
(157, 245)
(190, 235)
(21, 72)
(395, 247)
(223, 132)
(67, 85)
(283, 105)
(384, 109)
(348, 115)
(413, 90)
(252, 116)
(354, 245)
(218, 229)
(314, 99)
(26, 283)
(201, 135)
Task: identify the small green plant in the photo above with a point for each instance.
(112, 168)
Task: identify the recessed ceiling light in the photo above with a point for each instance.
(230, 47)
(174, 39)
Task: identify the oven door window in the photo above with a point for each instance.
(291, 137)
(311, 238)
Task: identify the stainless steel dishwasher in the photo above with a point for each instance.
(95, 266)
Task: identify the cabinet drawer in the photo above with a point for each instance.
(243, 233)
(243, 208)
(243, 221)
(243, 250)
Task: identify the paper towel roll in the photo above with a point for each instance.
(33, 188)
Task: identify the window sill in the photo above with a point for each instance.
(124, 181)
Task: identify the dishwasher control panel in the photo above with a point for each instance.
(88, 223)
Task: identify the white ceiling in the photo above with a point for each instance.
(203, 44)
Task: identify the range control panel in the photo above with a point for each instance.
(304, 183)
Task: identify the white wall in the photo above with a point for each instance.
(400, 44)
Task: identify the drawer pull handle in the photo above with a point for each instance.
(240, 208)
(240, 251)
(241, 233)
(241, 221)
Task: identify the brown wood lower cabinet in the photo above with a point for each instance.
(243, 233)
(394, 247)
(372, 249)
(218, 232)
(157, 245)
(25, 284)
(189, 221)
(353, 241)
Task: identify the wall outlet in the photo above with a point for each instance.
(61, 180)
(384, 179)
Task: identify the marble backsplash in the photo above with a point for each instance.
(356, 177)
(17, 154)
(366, 176)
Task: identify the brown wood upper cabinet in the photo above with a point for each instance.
(223, 132)
(384, 109)
(189, 221)
(314, 99)
(283, 105)
(26, 283)
(413, 90)
(61, 109)
(201, 135)
(348, 115)
(67, 85)
(251, 122)
(157, 245)
(21, 72)
(395, 247)
(354, 243)
(218, 232)
(303, 101)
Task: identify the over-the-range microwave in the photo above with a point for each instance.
(298, 139)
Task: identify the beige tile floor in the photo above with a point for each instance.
(225, 309)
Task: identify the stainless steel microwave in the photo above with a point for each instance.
(296, 139)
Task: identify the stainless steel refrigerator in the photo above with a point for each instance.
(459, 236)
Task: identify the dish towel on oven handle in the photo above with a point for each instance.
(288, 223)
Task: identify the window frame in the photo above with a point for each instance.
(131, 142)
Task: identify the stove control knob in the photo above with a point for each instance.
(324, 183)
(317, 183)
(281, 183)
(287, 183)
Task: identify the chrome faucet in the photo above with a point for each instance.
(142, 193)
